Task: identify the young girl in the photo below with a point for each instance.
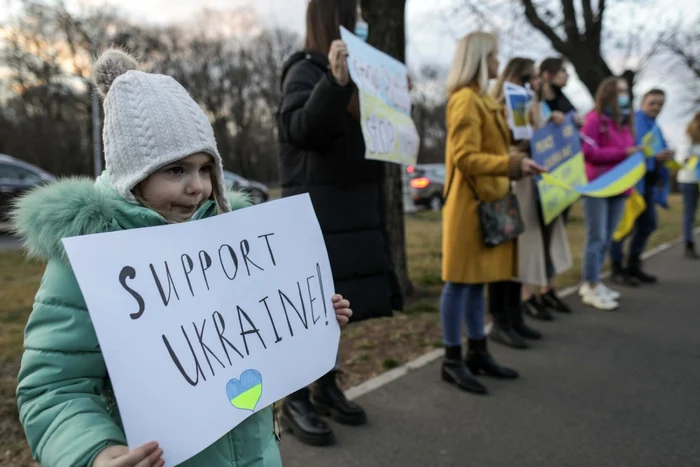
(163, 167)
(607, 141)
(688, 181)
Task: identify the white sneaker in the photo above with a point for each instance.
(612, 294)
(603, 291)
(597, 299)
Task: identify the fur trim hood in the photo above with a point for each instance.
(80, 206)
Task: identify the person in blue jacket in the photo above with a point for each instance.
(654, 187)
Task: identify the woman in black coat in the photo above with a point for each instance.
(322, 152)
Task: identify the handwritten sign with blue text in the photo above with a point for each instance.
(385, 103)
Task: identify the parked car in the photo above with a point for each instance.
(16, 177)
(258, 192)
(427, 184)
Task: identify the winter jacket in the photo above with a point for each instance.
(605, 144)
(322, 152)
(477, 152)
(66, 404)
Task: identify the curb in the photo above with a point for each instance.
(429, 357)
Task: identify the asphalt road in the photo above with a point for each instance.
(604, 389)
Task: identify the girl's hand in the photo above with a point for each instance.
(529, 167)
(557, 117)
(148, 455)
(338, 57)
(343, 313)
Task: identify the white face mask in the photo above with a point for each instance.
(362, 30)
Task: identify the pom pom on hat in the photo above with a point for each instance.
(109, 66)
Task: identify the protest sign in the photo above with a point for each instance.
(557, 149)
(203, 323)
(518, 103)
(385, 103)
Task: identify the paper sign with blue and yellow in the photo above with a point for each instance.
(558, 149)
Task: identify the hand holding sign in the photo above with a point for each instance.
(338, 58)
(530, 167)
(119, 456)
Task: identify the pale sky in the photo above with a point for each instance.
(432, 31)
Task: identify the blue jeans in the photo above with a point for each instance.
(644, 226)
(601, 218)
(459, 300)
(690, 192)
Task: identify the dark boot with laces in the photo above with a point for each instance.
(328, 399)
(299, 417)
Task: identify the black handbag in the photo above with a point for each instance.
(500, 220)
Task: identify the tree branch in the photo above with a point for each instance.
(588, 19)
(536, 21)
(570, 26)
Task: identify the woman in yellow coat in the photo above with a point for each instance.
(477, 156)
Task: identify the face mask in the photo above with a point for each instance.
(362, 30)
(623, 101)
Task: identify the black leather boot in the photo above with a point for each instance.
(553, 302)
(690, 252)
(455, 371)
(328, 399)
(635, 270)
(299, 417)
(502, 331)
(622, 276)
(515, 310)
(536, 309)
(479, 361)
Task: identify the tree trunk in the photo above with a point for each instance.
(386, 19)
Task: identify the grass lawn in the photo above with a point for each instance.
(367, 348)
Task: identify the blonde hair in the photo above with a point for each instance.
(172, 219)
(469, 62)
(693, 129)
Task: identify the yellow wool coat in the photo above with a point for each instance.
(478, 150)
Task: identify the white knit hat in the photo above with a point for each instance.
(150, 121)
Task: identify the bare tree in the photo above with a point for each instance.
(388, 34)
(681, 43)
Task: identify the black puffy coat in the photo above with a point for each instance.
(322, 153)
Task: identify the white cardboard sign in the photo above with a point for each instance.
(203, 323)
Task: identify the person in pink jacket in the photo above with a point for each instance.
(607, 140)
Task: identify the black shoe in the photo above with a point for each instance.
(507, 337)
(299, 417)
(328, 399)
(536, 309)
(456, 372)
(523, 330)
(690, 252)
(621, 276)
(479, 361)
(635, 270)
(552, 301)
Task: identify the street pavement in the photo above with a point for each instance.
(603, 389)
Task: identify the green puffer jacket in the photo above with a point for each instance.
(65, 400)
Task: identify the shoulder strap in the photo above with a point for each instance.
(449, 185)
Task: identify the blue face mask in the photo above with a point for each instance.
(623, 101)
(362, 30)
